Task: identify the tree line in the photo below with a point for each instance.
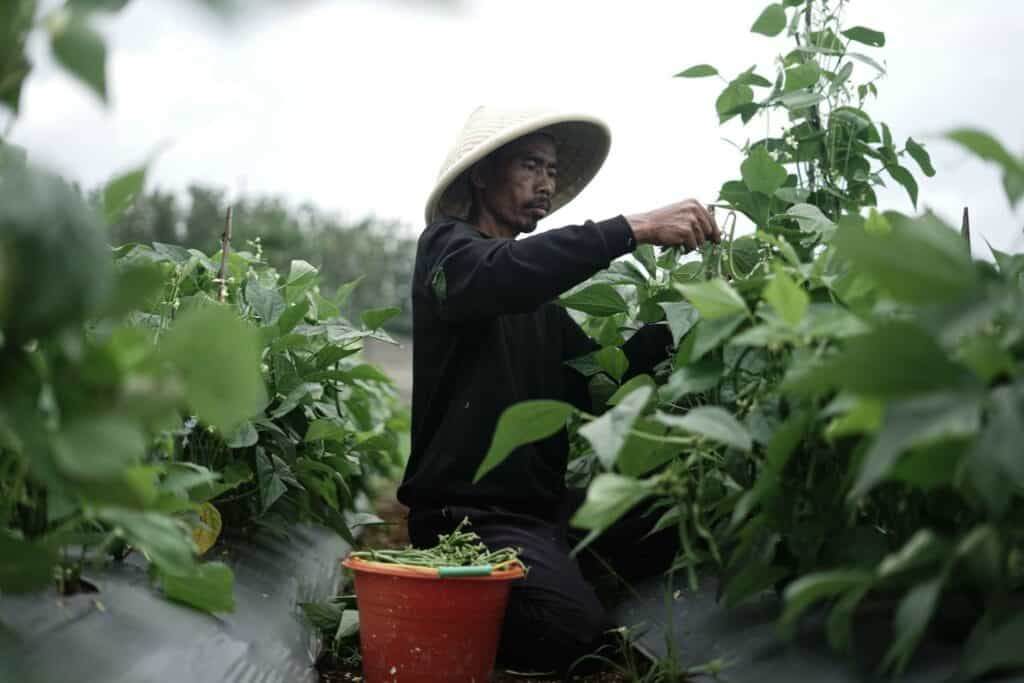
(379, 251)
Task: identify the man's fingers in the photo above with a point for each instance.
(706, 222)
(716, 234)
(698, 235)
(689, 239)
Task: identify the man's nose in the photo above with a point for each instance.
(546, 185)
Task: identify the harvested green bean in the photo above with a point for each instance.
(457, 549)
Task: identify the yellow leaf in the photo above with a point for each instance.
(206, 532)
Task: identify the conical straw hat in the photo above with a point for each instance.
(581, 141)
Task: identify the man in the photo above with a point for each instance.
(487, 334)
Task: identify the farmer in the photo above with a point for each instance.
(487, 334)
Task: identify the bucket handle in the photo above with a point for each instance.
(476, 570)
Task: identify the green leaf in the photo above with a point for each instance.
(681, 316)
(600, 300)
(709, 334)
(691, 379)
(792, 195)
(121, 192)
(293, 314)
(985, 146)
(612, 360)
(912, 616)
(761, 173)
(218, 356)
(788, 299)
(345, 291)
(327, 429)
(711, 422)
(902, 176)
(98, 447)
(208, 587)
(993, 647)
(752, 579)
(748, 77)
(25, 566)
(732, 99)
(714, 299)
(896, 359)
(876, 223)
(811, 588)
(921, 156)
(81, 51)
(165, 540)
(267, 303)
(645, 255)
(810, 218)
(521, 424)
(912, 423)
(994, 464)
(375, 318)
(698, 71)
(271, 484)
(348, 625)
(608, 433)
(921, 260)
(786, 250)
(609, 497)
(771, 22)
(323, 616)
(924, 551)
(628, 388)
(862, 34)
(802, 76)
(641, 455)
(800, 99)
(867, 60)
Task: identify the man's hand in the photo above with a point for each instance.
(686, 222)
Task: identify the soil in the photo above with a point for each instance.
(395, 535)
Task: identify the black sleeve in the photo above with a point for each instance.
(471, 276)
(650, 345)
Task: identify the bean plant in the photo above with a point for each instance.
(153, 396)
(841, 418)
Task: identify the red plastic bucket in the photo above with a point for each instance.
(415, 627)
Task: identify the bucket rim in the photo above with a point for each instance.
(357, 564)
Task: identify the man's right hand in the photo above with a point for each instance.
(683, 223)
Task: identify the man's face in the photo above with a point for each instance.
(519, 183)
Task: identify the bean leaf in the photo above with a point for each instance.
(698, 71)
(713, 423)
(761, 173)
(521, 424)
(865, 35)
(600, 300)
(921, 156)
(714, 299)
(771, 21)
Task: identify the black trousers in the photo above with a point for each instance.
(554, 616)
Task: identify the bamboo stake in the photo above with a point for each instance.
(225, 246)
(965, 229)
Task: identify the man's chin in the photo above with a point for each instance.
(528, 226)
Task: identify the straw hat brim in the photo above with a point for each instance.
(581, 142)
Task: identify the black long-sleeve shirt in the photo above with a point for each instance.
(487, 335)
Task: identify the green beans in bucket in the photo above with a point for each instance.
(459, 553)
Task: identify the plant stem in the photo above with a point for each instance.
(225, 246)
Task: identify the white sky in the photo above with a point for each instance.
(353, 104)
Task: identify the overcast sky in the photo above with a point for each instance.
(353, 105)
